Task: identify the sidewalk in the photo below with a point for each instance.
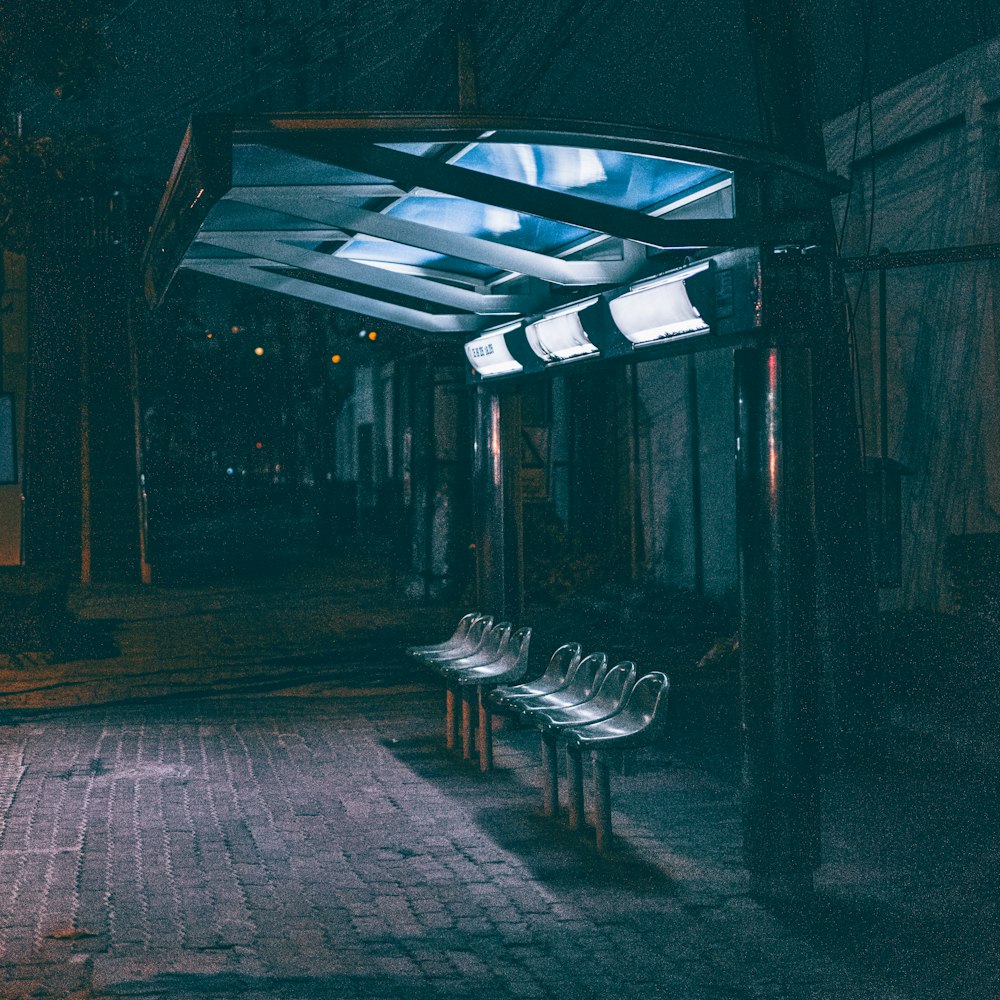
(246, 795)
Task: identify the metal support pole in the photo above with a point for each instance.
(602, 803)
(450, 719)
(694, 431)
(550, 776)
(485, 733)
(778, 656)
(468, 730)
(499, 527)
(85, 573)
(574, 775)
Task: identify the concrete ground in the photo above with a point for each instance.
(240, 790)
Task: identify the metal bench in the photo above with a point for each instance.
(639, 723)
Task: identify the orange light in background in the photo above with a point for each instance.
(209, 336)
(234, 329)
(336, 359)
(372, 335)
(259, 445)
(258, 351)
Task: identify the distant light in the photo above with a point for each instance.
(234, 329)
(229, 471)
(372, 335)
(209, 336)
(259, 445)
(258, 351)
(336, 359)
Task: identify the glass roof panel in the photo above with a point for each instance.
(499, 225)
(628, 180)
(376, 251)
(470, 218)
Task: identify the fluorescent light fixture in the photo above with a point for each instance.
(559, 335)
(660, 308)
(489, 354)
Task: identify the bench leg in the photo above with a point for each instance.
(550, 776)
(574, 772)
(468, 732)
(450, 719)
(485, 733)
(602, 803)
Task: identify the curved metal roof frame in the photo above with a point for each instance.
(450, 223)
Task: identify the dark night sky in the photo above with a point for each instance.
(669, 63)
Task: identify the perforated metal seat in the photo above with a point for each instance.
(639, 722)
(586, 680)
(450, 644)
(558, 674)
(609, 699)
(491, 650)
(470, 644)
(511, 666)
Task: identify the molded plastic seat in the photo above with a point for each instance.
(493, 646)
(511, 666)
(470, 644)
(610, 699)
(451, 643)
(586, 681)
(558, 674)
(639, 722)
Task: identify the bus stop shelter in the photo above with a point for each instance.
(538, 245)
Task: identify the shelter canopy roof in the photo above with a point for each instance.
(444, 224)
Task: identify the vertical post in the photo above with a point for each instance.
(145, 570)
(883, 377)
(468, 731)
(694, 431)
(84, 454)
(550, 776)
(602, 802)
(450, 718)
(574, 775)
(778, 660)
(634, 480)
(499, 523)
(485, 733)
(468, 91)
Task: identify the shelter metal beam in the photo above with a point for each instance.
(411, 171)
(379, 278)
(504, 258)
(251, 271)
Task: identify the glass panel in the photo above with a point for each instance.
(628, 180)
(368, 248)
(500, 225)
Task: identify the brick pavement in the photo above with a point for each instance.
(299, 847)
(316, 842)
